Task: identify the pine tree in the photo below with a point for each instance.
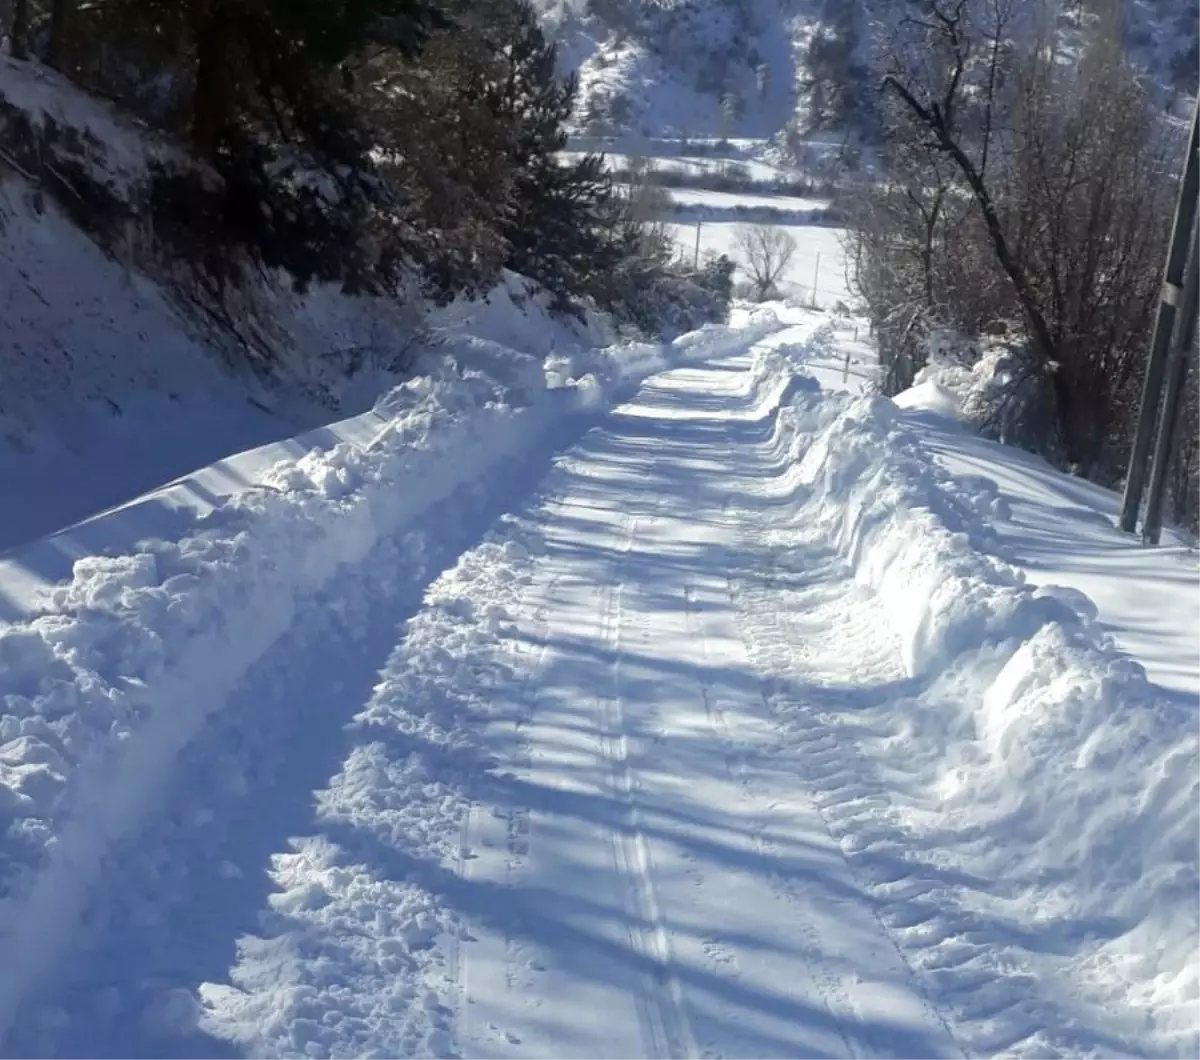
(558, 231)
(246, 67)
(440, 145)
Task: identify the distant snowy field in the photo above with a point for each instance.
(819, 261)
(817, 270)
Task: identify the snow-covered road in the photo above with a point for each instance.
(670, 763)
(647, 876)
(639, 872)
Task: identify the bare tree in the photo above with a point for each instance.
(766, 251)
(935, 101)
(1065, 172)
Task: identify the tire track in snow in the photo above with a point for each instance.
(847, 802)
(842, 1012)
(1004, 979)
(666, 1020)
(741, 937)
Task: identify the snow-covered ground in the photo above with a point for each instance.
(112, 384)
(572, 698)
(1062, 530)
(716, 215)
(719, 201)
(95, 361)
(544, 716)
(200, 584)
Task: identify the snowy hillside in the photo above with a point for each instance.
(720, 68)
(386, 680)
(97, 356)
(117, 376)
(684, 68)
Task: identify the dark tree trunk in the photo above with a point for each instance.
(211, 105)
(20, 29)
(60, 22)
(933, 119)
(931, 221)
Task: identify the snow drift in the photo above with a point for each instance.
(1045, 761)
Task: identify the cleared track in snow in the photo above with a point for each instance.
(672, 891)
(608, 792)
(558, 827)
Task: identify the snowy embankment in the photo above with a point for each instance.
(1043, 790)
(107, 677)
(105, 346)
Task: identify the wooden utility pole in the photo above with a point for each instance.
(1181, 230)
(696, 261)
(1177, 371)
(816, 277)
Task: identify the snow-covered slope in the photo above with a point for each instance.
(666, 68)
(94, 362)
(1026, 774)
(107, 677)
(663, 67)
(112, 383)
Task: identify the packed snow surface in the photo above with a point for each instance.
(551, 714)
(167, 604)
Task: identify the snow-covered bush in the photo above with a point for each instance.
(999, 389)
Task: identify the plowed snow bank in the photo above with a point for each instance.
(1040, 766)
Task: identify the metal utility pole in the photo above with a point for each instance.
(1185, 215)
(1177, 371)
(696, 260)
(816, 277)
